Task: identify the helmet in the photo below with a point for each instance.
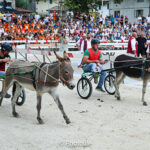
(95, 41)
(6, 47)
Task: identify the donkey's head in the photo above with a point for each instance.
(66, 70)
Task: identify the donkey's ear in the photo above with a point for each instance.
(66, 56)
(58, 57)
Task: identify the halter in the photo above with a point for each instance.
(62, 80)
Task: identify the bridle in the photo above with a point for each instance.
(62, 80)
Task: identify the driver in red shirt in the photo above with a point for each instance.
(92, 60)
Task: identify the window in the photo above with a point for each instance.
(139, 13)
(117, 13)
(50, 1)
(108, 6)
(140, 0)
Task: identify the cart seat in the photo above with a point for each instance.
(86, 74)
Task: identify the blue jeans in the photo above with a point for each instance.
(2, 73)
(90, 68)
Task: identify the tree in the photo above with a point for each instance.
(22, 4)
(84, 5)
(118, 1)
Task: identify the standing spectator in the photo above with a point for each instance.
(132, 45)
(142, 45)
(63, 42)
(82, 43)
(89, 41)
(122, 20)
(118, 18)
(139, 20)
(143, 19)
(126, 20)
(54, 16)
(148, 19)
(112, 19)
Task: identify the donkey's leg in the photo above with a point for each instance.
(14, 98)
(145, 82)
(39, 98)
(60, 106)
(119, 78)
(6, 85)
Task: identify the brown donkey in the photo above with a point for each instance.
(44, 78)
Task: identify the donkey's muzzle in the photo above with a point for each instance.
(71, 85)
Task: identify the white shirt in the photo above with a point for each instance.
(133, 44)
(82, 46)
(148, 19)
(148, 49)
(89, 44)
(37, 17)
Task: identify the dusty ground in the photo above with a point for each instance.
(107, 124)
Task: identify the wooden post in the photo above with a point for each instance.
(15, 52)
(43, 58)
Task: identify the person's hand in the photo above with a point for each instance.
(6, 60)
(10, 61)
(96, 61)
(106, 61)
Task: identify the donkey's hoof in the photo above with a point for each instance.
(40, 121)
(144, 104)
(118, 98)
(68, 121)
(15, 114)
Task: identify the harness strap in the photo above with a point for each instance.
(46, 75)
(34, 76)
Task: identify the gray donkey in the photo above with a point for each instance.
(136, 68)
(42, 78)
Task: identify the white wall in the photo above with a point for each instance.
(104, 11)
(42, 6)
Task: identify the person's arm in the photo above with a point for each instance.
(145, 44)
(87, 61)
(5, 60)
(65, 41)
(101, 61)
(78, 45)
(147, 51)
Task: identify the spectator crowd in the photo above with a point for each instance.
(50, 27)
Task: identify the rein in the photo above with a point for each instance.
(57, 80)
(62, 80)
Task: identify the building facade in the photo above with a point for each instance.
(43, 6)
(130, 8)
(12, 2)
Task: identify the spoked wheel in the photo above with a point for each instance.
(84, 88)
(109, 84)
(21, 98)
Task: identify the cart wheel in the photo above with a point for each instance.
(109, 84)
(84, 88)
(21, 99)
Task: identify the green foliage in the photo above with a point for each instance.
(82, 5)
(22, 4)
(118, 1)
